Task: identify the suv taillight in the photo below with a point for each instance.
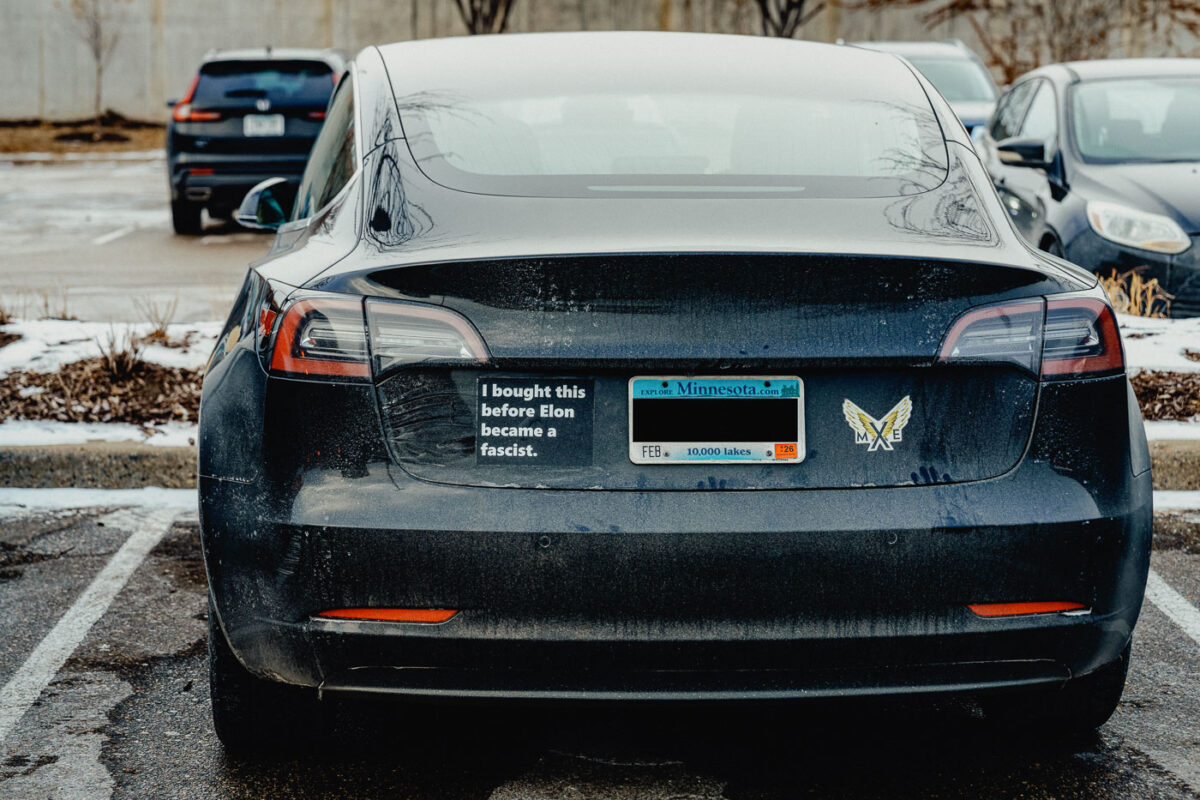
(183, 111)
(1056, 338)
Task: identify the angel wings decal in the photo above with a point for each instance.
(878, 433)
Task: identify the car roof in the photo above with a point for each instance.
(953, 49)
(329, 56)
(480, 66)
(1132, 68)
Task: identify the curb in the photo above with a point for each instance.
(133, 465)
(98, 465)
(1176, 464)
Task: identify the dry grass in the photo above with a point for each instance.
(120, 356)
(159, 316)
(54, 303)
(44, 137)
(1129, 293)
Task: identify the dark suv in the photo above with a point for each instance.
(249, 115)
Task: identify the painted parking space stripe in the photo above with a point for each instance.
(146, 527)
(1174, 605)
(112, 236)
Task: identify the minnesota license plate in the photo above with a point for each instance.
(745, 420)
(262, 125)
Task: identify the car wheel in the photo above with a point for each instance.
(251, 714)
(1052, 247)
(185, 217)
(1078, 708)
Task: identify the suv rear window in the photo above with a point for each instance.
(287, 84)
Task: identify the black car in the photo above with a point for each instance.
(644, 379)
(249, 115)
(1098, 161)
(955, 71)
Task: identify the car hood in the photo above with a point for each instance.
(1172, 189)
(973, 112)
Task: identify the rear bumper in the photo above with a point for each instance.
(673, 596)
(223, 179)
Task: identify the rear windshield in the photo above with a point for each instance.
(638, 123)
(960, 80)
(286, 84)
(1149, 119)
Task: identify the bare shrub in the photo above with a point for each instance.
(1129, 293)
(54, 303)
(158, 315)
(120, 355)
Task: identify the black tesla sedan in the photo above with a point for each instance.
(691, 368)
(1098, 161)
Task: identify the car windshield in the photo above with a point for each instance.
(283, 83)
(1147, 119)
(960, 80)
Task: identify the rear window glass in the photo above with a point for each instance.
(637, 122)
(284, 83)
(960, 80)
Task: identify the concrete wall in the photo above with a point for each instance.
(46, 70)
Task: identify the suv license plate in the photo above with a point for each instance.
(262, 125)
(690, 420)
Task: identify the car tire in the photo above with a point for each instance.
(1052, 246)
(252, 715)
(185, 217)
(1077, 709)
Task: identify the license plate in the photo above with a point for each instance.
(262, 125)
(745, 420)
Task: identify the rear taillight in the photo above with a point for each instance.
(1008, 332)
(1064, 337)
(322, 337)
(183, 111)
(1081, 338)
(315, 115)
(330, 336)
(407, 333)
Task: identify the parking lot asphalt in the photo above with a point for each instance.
(95, 236)
(103, 693)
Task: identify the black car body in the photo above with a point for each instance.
(248, 115)
(461, 267)
(955, 71)
(1098, 161)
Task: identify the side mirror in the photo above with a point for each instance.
(262, 207)
(1023, 152)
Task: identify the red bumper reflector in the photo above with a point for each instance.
(200, 171)
(1019, 609)
(392, 614)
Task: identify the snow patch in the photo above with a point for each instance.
(47, 344)
(18, 502)
(1158, 344)
(26, 432)
(1172, 429)
(1176, 500)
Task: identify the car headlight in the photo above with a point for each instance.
(1134, 228)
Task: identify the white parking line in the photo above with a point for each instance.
(112, 236)
(1174, 605)
(147, 527)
